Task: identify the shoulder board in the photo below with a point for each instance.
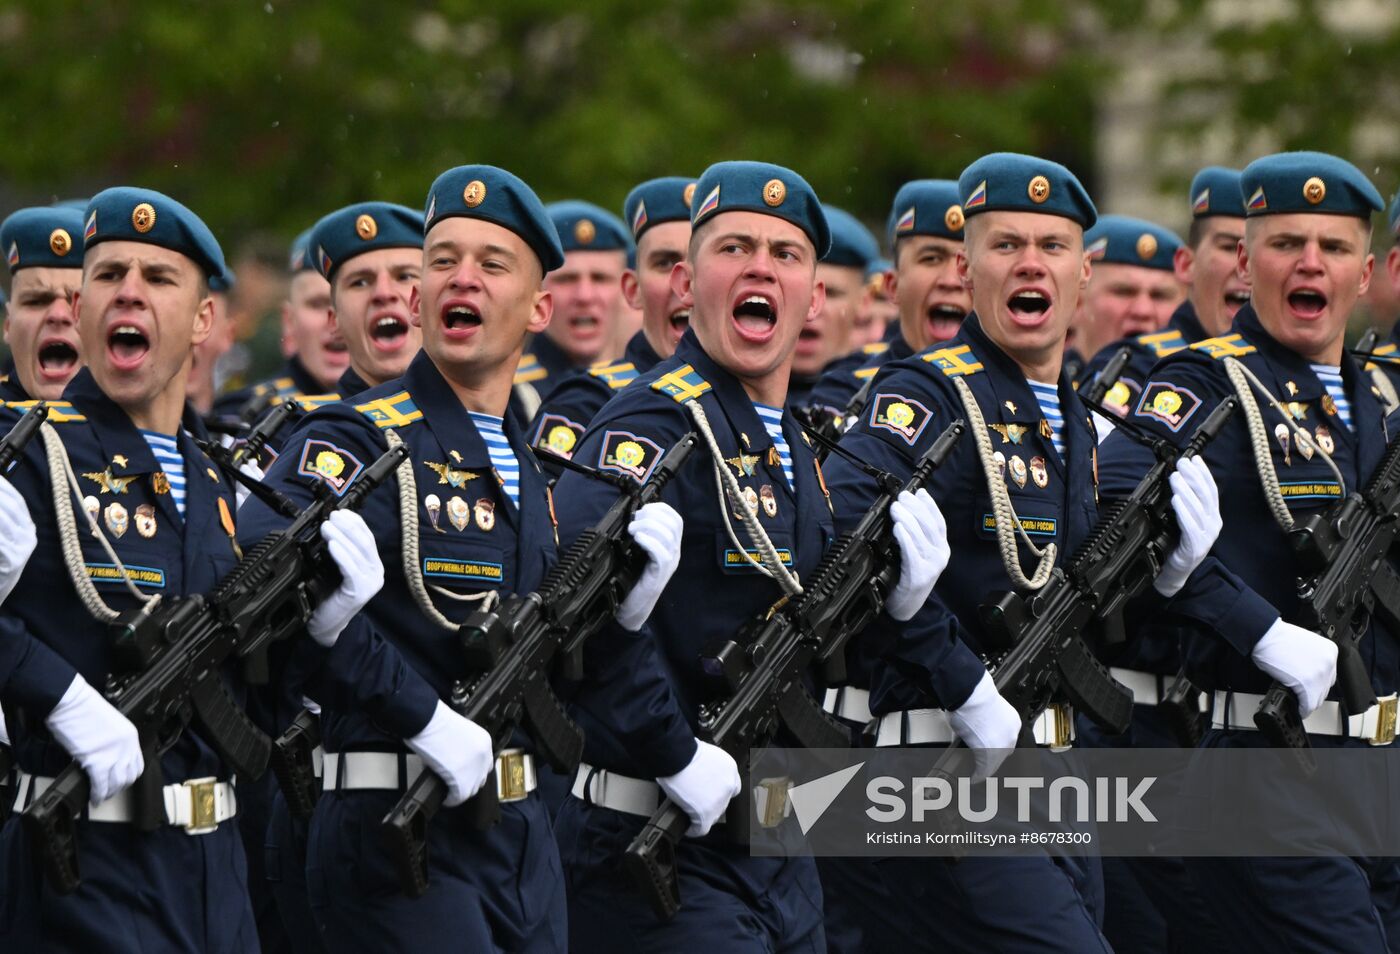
(4, 379)
(60, 412)
(954, 361)
(1385, 354)
(1229, 346)
(876, 347)
(616, 376)
(1163, 343)
(863, 373)
(310, 402)
(529, 370)
(393, 411)
(681, 384)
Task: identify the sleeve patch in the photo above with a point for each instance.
(334, 465)
(628, 454)
(902, 416)
(1168, 403)
(558, 434)
(1122, 396)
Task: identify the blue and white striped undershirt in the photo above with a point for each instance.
(502, 456)
(1048, 395)
(772, 418)
(167, 453)
(1331, 379)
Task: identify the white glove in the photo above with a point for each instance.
(251, 469)
(458, 750)
(922, 535)
(988, 724)
(105, 744)
(1196, 502)
(1300, 659)
(17, 537)
(656, 528)
(354, 551)
(704, 787)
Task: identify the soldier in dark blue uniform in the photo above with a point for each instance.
(588, 304)
(1133, 289)
(1214, 291)
(826, 339)
(749, 280)
(659, 213)
(480, 525)
(926, 233)
(41, 330)
(1306, 257)
(1030, 454)
(1386, 356)
(167, 514)
(317, 355)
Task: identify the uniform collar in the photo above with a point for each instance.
(351, 384)
(1286, 365)
(301, 378)
(640, 352)
(899, 348)
(10, 387)
(550, 356)
(733, 399)
(1185, 320)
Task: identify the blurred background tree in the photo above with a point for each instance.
(263, 116)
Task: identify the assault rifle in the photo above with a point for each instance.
(1108, 377)
(767, 663)
(1346, 551)
(168, 668)
(829, 427)
(515, 648)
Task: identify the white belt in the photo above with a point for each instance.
(198, 805)
(849, 703)
(346, 771)
(1235, 710)
(1147, 687)
(635, 796)
(318, 760)
(1054, 728)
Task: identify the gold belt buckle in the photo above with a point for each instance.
(1063, 726)
(771, 797)
(1385, 721)
(203, 814)
(510, 776)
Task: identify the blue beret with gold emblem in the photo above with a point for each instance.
(655, 201)
(1012, 182)
(299, 257)
(741, 186)
(926, 207)
(359, 228)
(1122, 240)
(1307, 182)
(1216, 191)
(852, 244)
(585, 227)
(42, 237)
(127, 214)
(502, 198)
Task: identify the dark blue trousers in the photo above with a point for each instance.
(730, 902)
(142, 893)
(284, 854)
(495, 890)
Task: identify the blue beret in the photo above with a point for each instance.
(852, 244)
(299, 257)
(1216, 191)
(77, 205)
(1307, 182)
(1120, 240)
(761, 187)
(42, 237)
(1011, 182)
(501, 198)
(658, 200)
(363, 227)
(126, 214)
(222, 282)
(585, 227)
(926, 207)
